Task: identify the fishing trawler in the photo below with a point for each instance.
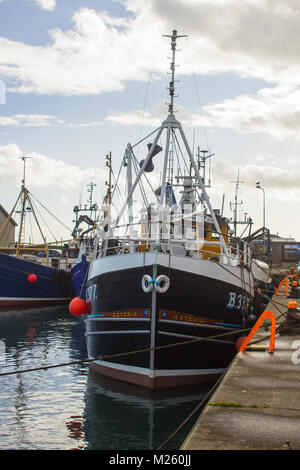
(83, 241)
(169, 288)
(86, 240)
(31, 275)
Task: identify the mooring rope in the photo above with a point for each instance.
(197, 408)
(208, 394)
(129, 353)
(112, 356)
(192, 413)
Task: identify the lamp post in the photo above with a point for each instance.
(264, 202)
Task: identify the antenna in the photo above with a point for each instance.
(91, 185)
(173, 37)
(24, 158)
(93, 207)
(202, 164)
(235, 204)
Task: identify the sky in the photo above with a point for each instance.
(82, 78)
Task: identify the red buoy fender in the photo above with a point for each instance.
(31, 278)
(77, 306)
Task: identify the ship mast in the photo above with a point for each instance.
(171, 125)
(173, 37)
(108, 195)
(23, 203)
(24, 197)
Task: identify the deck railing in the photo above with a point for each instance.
(239, 251)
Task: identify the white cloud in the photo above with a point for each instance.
(275, 111)
(42, 120)
(253, 38)
(133, 118)
(44, 172)
(26, 120)
(272, 178)
(86, 124)
(97, 56)
(46, 4)
(145, 118)
(54, 183)
(257, 38)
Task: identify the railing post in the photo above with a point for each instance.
(264, 315)
(286, 282)
(245, 253)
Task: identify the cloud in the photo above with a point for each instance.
(254, 38)
(86, 124)
(275, 111)
(272, 178)
(42, 120)
(46, 4)
(26, 120)
(257, 38)
(98, 55)
(155, 118)
(133, 118)
(44, 172)
(54, 183)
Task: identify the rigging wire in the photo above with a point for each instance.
(157, 48)
(204, 132)
(199, 104)
(146, 178)
(36, 208)
(50, 212)
(30, 223)
(147, 136)
(117, 187)
(136, 170)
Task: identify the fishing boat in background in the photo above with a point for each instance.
(264, 288)
(82, 243)
(169, 289)
(31, 275)
(87, 241)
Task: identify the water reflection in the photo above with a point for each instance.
(125, 416)
(70, 407)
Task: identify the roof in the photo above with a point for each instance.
(7, 215)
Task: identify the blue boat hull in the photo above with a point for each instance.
(52, 286)
(79, 277)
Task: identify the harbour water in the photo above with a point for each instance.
(69, 407)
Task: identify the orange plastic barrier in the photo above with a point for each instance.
(264, 315)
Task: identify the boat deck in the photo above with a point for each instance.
(257, 404)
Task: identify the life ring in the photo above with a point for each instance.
(147, 284)
(162, 283)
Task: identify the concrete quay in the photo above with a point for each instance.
(256, 406)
